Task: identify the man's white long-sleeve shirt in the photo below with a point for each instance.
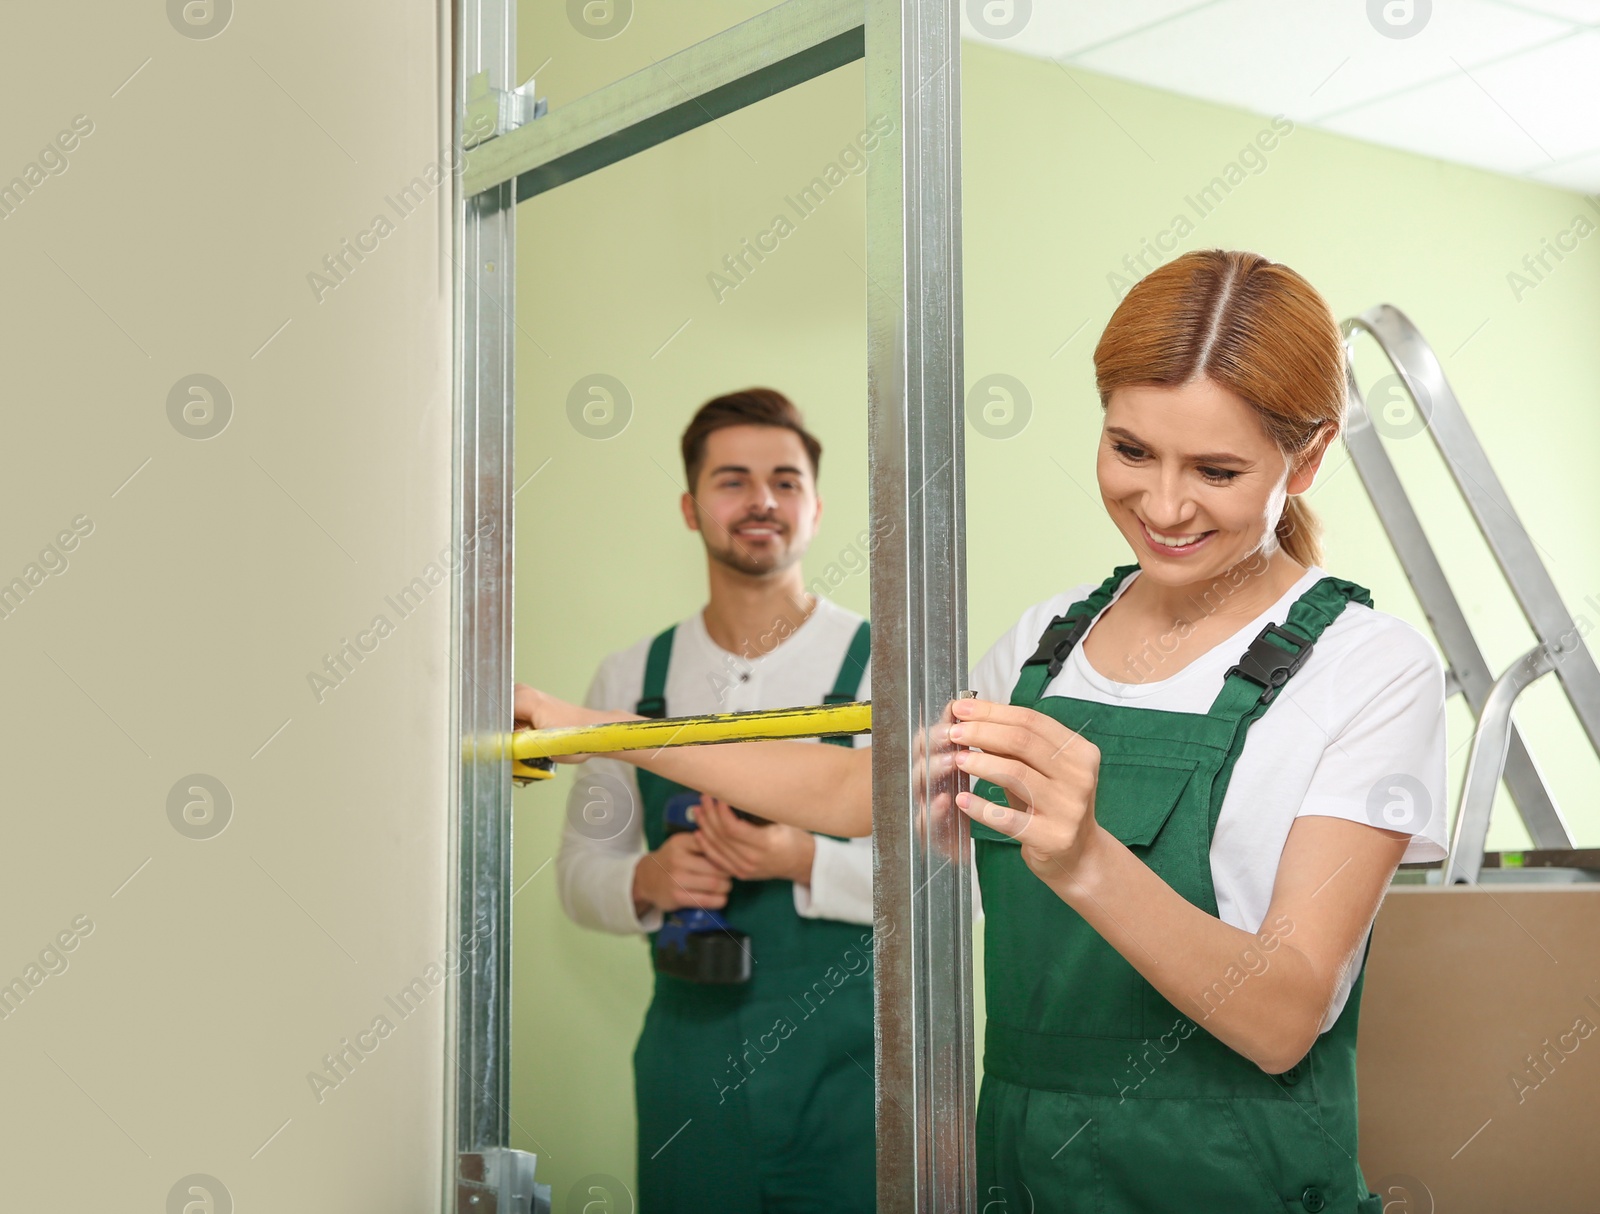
(604, 839)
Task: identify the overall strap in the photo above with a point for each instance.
(1279, 651)
(1060, 635)
(847, 687)
(653, 703)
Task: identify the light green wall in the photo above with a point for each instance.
(1063, 177)
(610, 267)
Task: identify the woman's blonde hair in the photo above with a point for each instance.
(1251, 325)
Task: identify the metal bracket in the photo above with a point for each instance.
(498, 1180)
(490, 111)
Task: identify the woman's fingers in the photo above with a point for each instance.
(535, 709)
(525, 706)
(1019, 732)
(973, 709)
(1047, 771)
(1003, 818)
(1038, 747)
(1021, 782)
(532, 709)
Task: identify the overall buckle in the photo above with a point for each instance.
(1268, 664)
(1063, 633)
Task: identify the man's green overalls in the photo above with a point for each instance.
(758, 1097)
(1098, 1094)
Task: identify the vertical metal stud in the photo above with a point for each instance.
(922, 849)
(481, 626)
(923, 957)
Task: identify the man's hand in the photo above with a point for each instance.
(751, 852)
(679, 874)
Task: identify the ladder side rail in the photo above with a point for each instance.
(1489, 743)
(1508, 539)
(1540, 815)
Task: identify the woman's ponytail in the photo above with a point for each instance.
(1300, 531)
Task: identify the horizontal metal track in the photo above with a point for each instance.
(785, 46)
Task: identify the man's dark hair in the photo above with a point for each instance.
(751, 407)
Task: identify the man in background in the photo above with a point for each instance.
(753, 1095)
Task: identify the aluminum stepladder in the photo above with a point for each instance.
(1497, 746)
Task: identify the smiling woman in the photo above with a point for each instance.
(1137, 834)
(1280, 359)
(1134, 839)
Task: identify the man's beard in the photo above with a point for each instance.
(739, 558)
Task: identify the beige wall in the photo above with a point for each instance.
(218, 573)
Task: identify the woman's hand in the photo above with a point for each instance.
(1048, 773)
(534, 709)
(752, 852)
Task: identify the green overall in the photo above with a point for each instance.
(1098, 1094)
(758, 1097)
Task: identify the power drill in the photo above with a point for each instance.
(694, 944)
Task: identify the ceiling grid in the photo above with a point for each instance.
(1511, 87)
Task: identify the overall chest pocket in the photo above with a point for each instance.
(1134, 798)
(1137, 794)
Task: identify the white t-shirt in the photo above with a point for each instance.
(594, 867)
(1367, 705)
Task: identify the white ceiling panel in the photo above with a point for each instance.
(1580, 12)
(1553, 92)
(1469, 34)
(1451, 120)
(1512, 86)
(1053, 28)
(1306, 60)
